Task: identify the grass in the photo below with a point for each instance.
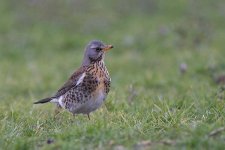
(151, 105)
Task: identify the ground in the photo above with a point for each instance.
(167, 70)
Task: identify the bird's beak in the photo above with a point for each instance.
(107, 47)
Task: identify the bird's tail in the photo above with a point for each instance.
(45, 100)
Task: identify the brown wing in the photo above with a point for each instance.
(71, 82)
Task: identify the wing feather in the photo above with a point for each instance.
(74, 80)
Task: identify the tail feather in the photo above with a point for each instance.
(45, 100)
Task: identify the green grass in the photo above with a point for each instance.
(151, 104)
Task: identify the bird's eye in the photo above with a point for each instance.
(98, 49)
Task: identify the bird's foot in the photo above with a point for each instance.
(88, 116)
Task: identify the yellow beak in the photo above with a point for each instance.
(107, 47)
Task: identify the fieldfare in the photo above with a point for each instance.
(88, 87)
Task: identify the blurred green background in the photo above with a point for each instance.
(167, 70)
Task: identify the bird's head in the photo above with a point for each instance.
(95, 51)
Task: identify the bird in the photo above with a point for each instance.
(87, 88)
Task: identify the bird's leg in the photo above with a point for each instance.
(88, 116)
(57, 110)
(71, 119)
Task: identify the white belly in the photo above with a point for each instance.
(92, 104)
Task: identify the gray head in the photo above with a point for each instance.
(95, 51)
